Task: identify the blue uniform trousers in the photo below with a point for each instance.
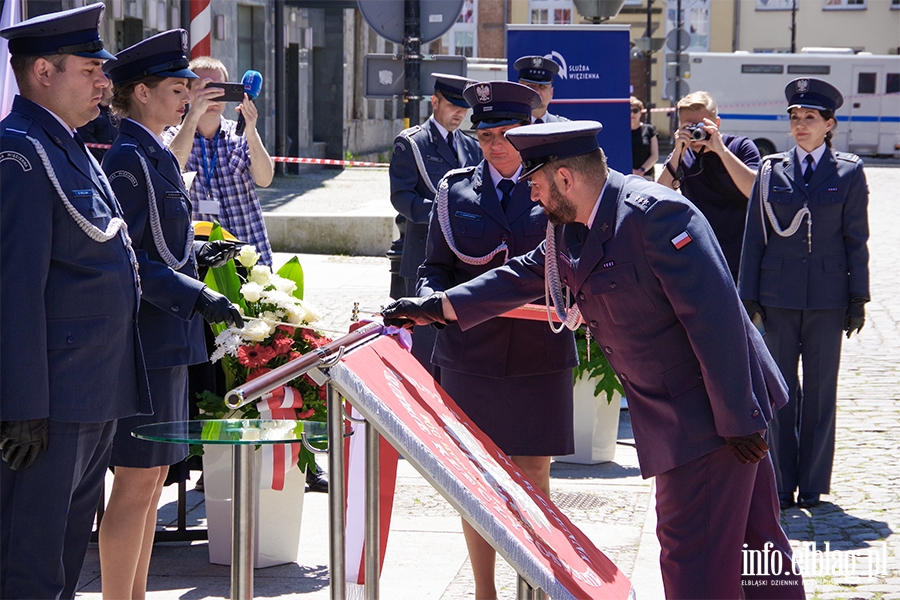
(708, 509)
(74, 464)
(803, 431)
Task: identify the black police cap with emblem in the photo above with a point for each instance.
(72, 31)
(500, 103)
(536, 69)
(544, 143)
(451, 87)
(809, 92)
(163, 55)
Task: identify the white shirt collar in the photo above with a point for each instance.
(156, 137)
(593, 216)
(816, 154)
(441, 129)
(496, 177)
(61, 122)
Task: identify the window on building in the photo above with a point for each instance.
(865, 84)
(539, 16)
(463, 43)
(844, 4)
(774, 4)
(892, 83)
(552, 12)
(809, 69)
(895, 4)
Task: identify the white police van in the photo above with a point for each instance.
(749, 91)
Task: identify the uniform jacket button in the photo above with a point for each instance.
(623, 376)
(755, 413)
(612, 284)
(594, 324)
(581, 295)
(70, 339)
(175, 308)
(608, 350)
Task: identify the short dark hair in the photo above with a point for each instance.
(21, 65)
(591, 165)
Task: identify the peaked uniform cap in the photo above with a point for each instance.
(809, 92)
(163, 55)
(536, 69)
(451, 87)
(500, 103)
(544, 143)
(73, 31)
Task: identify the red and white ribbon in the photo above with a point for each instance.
(278, 459)
(201, 24)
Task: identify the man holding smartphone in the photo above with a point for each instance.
(228, 166)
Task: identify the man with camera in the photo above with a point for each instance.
(714, 171)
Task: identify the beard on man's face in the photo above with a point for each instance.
(563, 211)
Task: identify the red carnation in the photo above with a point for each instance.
(306, 414)
(255, 356)
(282, 344)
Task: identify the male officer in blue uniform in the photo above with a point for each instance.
(806, 276)
(422, 155)
(71, 357)
(653, 286)
(537, 72)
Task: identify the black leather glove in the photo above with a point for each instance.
(406, 312)
(748, 448)
(22, 441)
(217, 253)
(752, 307)
(216, 308)
(855, 317)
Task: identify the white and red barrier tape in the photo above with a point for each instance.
(294, 159)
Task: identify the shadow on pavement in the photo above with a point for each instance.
(285, 188)
(828, 522)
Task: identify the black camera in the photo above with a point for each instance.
(698, 134)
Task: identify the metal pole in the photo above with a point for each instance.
(678, 32)
(648, 56)
(337, 569)
(523, 590)
(373, 513)
(412, 60)
(793, 26)
(280, 73)
(243, 522)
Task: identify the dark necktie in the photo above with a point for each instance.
(450, 141)
(506, 187)
(538, 121)
(808, 173)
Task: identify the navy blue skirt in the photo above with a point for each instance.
(524, 416)
(169, 394)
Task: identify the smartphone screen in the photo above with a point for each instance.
(234, 92)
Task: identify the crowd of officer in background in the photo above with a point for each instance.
(679, 281)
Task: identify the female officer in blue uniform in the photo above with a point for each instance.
(150, 92)
(804, 273)
(512, 378)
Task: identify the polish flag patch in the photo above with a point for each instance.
(681, 240)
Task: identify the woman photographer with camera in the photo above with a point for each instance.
(715, 171)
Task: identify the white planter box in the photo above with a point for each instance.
(277, 518)
(596, 425)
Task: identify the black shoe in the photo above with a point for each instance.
(198, 487)
(786, 500)
(807, 500)
(317, 479)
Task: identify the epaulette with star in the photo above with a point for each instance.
(638, 201)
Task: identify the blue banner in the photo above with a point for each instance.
(594, 80)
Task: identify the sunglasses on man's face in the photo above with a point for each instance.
(635, 111)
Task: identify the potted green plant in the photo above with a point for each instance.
(596, 405)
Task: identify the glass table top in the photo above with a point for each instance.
(234, 431)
